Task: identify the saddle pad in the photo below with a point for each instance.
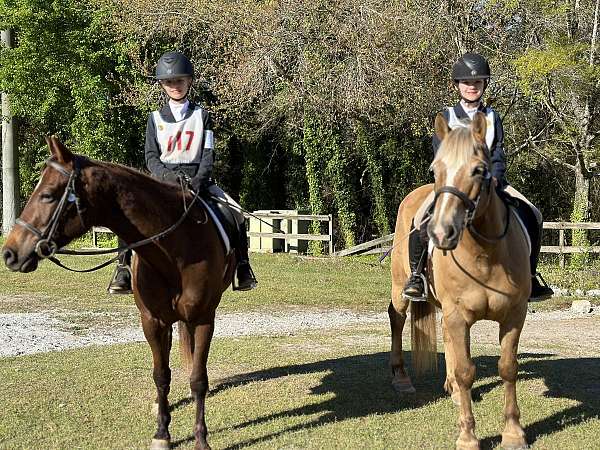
(224, 237)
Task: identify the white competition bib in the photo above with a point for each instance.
(454, 122)
(180, 142)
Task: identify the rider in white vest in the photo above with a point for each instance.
(180, 147)
(471, 75)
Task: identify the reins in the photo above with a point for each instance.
(46, 247)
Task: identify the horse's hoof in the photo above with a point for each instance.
(471, 444)
(160, 444)
(511, 441)
(403, 386)
(201, 447)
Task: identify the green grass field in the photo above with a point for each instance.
(317, 390)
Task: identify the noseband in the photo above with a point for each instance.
(45, 246)
(471, 208)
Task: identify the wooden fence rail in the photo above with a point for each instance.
(382, 244)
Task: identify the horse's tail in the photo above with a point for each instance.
(186, 345)
(424, 339)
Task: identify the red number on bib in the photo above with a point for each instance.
(171, 144)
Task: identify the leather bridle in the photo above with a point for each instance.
(46, 246)
(471, 208)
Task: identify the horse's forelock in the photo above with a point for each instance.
(458, 148)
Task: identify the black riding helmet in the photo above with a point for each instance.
(471, 66)
(173, 65)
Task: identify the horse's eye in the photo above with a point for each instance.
(46, 197)
(480, 171)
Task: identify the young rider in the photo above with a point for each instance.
(471, 75)
(182, 124)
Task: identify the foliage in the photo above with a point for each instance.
(64, 77)
(318, 105)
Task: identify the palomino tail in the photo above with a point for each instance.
(186, 346)
(424, 339)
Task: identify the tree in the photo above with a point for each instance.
(65, 75)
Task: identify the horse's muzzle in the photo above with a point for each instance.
(16, 264)
(444, 237)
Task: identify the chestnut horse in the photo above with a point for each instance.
(479, 270)
(179, 277)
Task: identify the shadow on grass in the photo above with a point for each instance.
(362, 387)
(573, 378)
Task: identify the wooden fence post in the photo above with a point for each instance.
(561, 244)
(330, 235)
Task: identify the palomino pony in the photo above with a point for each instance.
(179, 277)
(479, 270)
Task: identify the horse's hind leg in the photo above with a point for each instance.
(159, 336)
(464, 373)
(513, 436)
(397, 313)
(199, 380)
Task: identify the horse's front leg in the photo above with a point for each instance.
(199, 380)
(464, 373)
(159, 336)
(397, 313)
(513, 436)
(451, 386)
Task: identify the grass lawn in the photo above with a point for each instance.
(315, 391)
(284, 281)
(325, 389)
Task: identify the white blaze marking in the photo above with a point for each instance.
(450, 175)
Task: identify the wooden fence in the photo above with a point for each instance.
(563, 249)
(290, 239)
(288, 222)
(382, 244)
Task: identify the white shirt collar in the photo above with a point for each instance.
(179, 109)
(470, 111)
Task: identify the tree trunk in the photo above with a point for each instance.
(10, 158)
(581, 212)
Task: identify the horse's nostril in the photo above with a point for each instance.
(9, 256)
(451, 232)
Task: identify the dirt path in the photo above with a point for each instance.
(560, 332)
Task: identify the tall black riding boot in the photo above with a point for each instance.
(245, 276)
(121, 279)
(539, 291)
(414, 289)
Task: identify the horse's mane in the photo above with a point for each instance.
(458, 148)
(132, 172)
(157, 198)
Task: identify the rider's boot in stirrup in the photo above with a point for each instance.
(121, 279)
(244, 274)
(414, 289)
(539, 291)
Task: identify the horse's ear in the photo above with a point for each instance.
(441, 126)
(59, 150)
(479, 127)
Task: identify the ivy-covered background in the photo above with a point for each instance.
(323, 106)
